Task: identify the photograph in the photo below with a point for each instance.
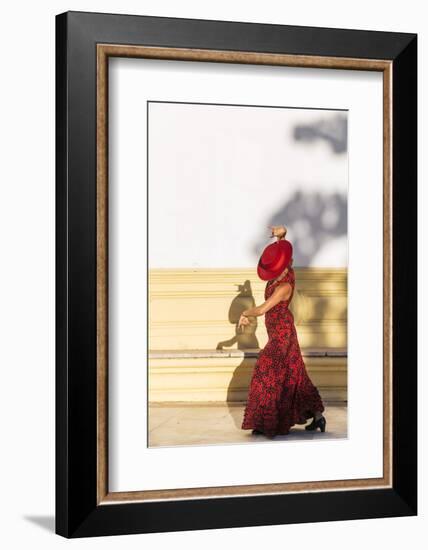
(247, 209)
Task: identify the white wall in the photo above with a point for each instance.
(234, 170)
(27, 275)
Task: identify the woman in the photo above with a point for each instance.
(281, 393)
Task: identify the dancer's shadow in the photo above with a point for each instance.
(246, 339)
(243, 338)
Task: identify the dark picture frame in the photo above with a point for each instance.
(84, 43)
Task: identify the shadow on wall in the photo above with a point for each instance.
(313, 220)
(243, 339)
(333, 130)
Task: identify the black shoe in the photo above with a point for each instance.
(320, 423)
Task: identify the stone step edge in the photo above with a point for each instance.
(249, 352)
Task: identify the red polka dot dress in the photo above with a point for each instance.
(281, 393)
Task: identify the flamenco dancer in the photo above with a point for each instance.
(281, 393)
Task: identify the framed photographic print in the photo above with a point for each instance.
(236, 274)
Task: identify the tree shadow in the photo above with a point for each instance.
(312, 219)
(333, 130)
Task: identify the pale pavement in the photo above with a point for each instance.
(172, 424)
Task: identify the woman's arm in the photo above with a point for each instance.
(281, 292)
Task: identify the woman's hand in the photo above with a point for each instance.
(243, 321)
(278, 231)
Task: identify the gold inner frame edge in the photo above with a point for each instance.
(104, 51)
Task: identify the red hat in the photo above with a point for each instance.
(274, 259)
